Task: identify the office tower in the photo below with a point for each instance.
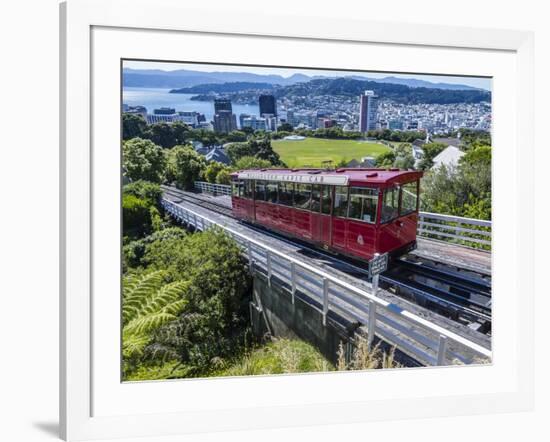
(222, 104)
(268, 105)
(225, 122)
(368, 111)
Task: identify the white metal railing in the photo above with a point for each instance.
(216, 189)
(416, 336)
(463, 231)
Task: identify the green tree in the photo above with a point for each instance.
(136, 216)
(385, 159)
(143, 160)
(463, 190)
(235, 151)
(431, 150)
(472, 138)
(236, 136)
(161, 134)
(285, 127)
(477, 155)
(212, 171)
(133, 126)
(145, 190)
(403, 157)
(224, 176)
(263, 150)
(182, 133)
(255, 147)
(249, 162)
(206, 137)
(185, 166)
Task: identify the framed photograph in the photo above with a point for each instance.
(272, 221)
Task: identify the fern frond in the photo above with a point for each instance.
(137, 291)
(145, 324)
(164, 296)
(133, 345)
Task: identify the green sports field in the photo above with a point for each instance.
(313, 151)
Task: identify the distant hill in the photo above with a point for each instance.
(396, 92)
(218, 88)
(188, 78)
(183, 78)
(413, 82)
(249, 91)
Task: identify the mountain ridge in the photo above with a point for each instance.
(184, 78)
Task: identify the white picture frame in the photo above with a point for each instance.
(86, 396)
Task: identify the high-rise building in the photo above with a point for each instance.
(225, 121)
(222, 104)
(368, 111)
(241, 119)
(268, 105)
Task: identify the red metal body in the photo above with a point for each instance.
(355, 212)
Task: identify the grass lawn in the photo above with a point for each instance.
(313, 151)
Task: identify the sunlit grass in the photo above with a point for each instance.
(313, 151)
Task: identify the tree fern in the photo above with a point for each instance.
(148, 303)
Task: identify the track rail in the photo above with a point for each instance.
(461, 297)
(416, 336)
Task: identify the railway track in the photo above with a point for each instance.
(463, 297)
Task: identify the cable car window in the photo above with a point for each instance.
(390, 205)
(326, 200)
(260, 190)
(340, 201)
(271, 191)
(363, 203)
(236, 188)
(409, 198)
(248, 189)
(285, 193)
(302, 194)
(315, 198)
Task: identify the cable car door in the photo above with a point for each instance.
(326, 215)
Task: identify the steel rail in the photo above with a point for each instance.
(436, 296)
(202, 222)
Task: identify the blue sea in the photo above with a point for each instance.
(154, 98)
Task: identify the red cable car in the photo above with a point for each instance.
(355, 212)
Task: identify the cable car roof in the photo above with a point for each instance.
(338, 177)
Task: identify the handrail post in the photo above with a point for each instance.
(325, 299)
(375, 282)
(293, 279)
(371, 325)
(250, 261)
(268, 257)
(441, 350)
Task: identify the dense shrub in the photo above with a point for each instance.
(214, 322)
(144, 190)
(136, 216)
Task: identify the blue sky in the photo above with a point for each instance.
(479, 82)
